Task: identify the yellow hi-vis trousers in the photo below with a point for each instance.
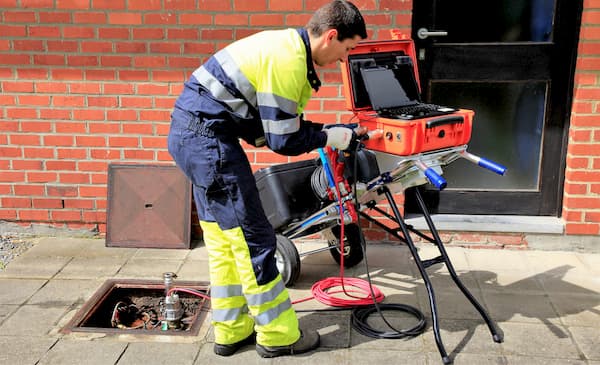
(239, 304)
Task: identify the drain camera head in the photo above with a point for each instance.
(173, 311)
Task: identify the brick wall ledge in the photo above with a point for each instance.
(577, 243)
(490, 223)
(36, 229)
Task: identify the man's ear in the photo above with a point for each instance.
(332, 34)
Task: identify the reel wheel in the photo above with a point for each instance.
(288, 260)
(353, 252)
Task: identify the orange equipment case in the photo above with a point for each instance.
(399, 137)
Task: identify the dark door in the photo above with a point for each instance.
(512, 62)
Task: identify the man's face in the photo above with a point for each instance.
(336, 50)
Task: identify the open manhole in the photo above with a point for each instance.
(143, 307)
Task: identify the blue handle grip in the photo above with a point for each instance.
(492, 166)
(435, 179)
(326, 167)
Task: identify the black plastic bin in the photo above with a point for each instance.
(286, 193)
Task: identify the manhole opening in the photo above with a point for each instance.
(138, 307)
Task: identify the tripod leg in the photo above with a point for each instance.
(497, 334)
(430, 293)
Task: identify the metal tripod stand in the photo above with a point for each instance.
(403, 231)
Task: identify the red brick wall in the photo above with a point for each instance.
(86, 83)
(581, 203)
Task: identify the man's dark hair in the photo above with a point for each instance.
(340, 15)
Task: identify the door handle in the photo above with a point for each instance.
(424, 33)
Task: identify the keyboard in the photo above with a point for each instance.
(415, 111)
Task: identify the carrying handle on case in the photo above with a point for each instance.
(438, 181)
(372, 134)
(454, 119)
(483, 162)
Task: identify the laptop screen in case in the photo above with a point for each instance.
(391, 87)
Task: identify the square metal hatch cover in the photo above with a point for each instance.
(149, 206)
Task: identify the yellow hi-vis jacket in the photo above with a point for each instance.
(262, 83)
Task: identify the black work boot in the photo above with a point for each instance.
(309, 340)
(228, 350)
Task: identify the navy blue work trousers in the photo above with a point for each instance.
(224, 186)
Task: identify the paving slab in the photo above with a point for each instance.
(77, 247)
(311, 273)
(161, 254)
(475, 359)
(515, 307)
(198, 252)
(6, 310)
(442, 281)
(62, 247)
(194, 270)
(588, 339)
(497, 261)
(152, 353)
(320, 356)
(391, 356)
(32, 320)
(93, 268)
(577, 310)
(591, 262)
(360, 342)
(391, 282)
(302, 298)
(32, 267)
(151, 269)
(246, 356)
(18, 291)
(518, 282)
(76, 352)
(544, 261)
(463, 336)
(333, 327)
(545, 340)
(64, 293)
(451, 304)
(23, 349)
(570, 281)
(388, 256)
(471, 359)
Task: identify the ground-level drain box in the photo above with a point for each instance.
(137, 307)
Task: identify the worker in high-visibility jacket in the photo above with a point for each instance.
(255, 89)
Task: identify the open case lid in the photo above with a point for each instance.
(371, 54)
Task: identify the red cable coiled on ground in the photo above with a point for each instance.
(321, 290)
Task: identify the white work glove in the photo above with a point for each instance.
(339, 137)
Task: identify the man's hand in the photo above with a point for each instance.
(344, 137)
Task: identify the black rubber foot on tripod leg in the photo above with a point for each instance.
(447, 360)
(498, 338)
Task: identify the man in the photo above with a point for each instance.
(255, 89)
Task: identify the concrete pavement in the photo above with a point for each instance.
(546, 302)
